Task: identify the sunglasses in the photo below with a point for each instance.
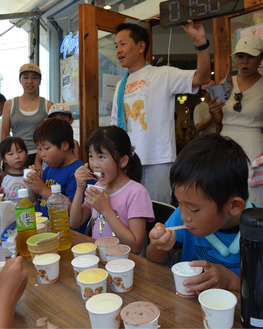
(238, 106)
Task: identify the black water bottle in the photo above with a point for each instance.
(251, 267)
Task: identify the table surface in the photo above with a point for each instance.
(61, 301)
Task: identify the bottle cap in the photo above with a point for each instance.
(251, 224)
(55, 188)
(22, 193)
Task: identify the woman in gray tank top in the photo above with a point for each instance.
(24, 113)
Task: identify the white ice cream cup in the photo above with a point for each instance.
(41, 228)
(218, 308)
(99, 188)
(181, 272)
(92, 282)
(26, 171)
(42, 220)
(120, 274)
(84, 262)
(47, 266)
(86, 248)
(102, 244)
(104, 311)
(140, 315)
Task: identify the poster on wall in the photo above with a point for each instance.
(69, 80)
(256, 30)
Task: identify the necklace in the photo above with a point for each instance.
(102, 222)
(221, 247)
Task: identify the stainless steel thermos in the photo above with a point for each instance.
(251, 267)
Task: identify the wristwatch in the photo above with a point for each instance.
(203, 47)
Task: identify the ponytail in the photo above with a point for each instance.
(134, 168)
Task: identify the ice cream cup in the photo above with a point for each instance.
(99, 188)
(44, 248)
(92, 282)
(38, 214)
(140, 315)
(117, 251)
(181, 272)
(86, 248)
(47, 267)
(104, 311)
(41, 228)
(102, 244)
(218, 308)
(42, 220)
(120, 274)
(85, 262)
(26, 171)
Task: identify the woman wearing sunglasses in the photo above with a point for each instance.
(242, 115)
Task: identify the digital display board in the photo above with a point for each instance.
(177, 12)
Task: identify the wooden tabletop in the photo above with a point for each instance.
(61, 301)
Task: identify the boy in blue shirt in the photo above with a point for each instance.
(209, 180)
(54, 139)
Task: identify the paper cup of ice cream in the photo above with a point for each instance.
(92, 282)
(26, 171)
(41, 228)
(86, 248)
(42, 220)
(102, 244)
(120, 274)
(47, 267)
(140, 315)
(104, 311)
(218, 308)
(99, 188)
(43, 248)
(85, 262)
(38, 214)
(117, 251)
(181, 272)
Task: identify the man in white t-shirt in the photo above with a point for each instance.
(144, 101)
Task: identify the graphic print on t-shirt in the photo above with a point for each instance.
(11, 194)
(137, 110)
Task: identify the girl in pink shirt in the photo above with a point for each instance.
(123, 206)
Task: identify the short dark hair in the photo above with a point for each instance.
(6, 144)
(2, 98)
(137, 33)
(56, 131)
(117, 142)
(217, 165)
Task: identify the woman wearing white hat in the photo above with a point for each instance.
(242, 114)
